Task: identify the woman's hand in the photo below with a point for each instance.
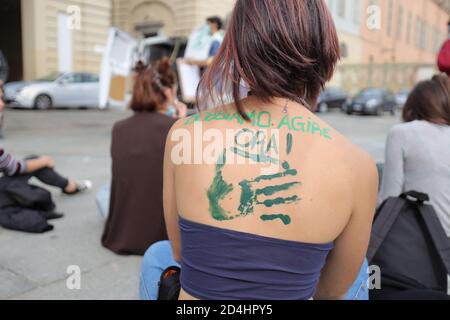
(181, 109)
(48, 161)
(192, 62)
(40, 163)
(186, 61)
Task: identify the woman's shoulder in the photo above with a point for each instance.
(126, 122)
(353, 165)
(351, 158)
(401, 131)
(412, 126)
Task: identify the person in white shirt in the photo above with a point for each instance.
(418, 151)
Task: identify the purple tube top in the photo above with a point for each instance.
(221, 264)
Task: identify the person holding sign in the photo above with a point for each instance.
(215, 25)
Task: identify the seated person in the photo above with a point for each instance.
(136, 218)
(26, 207)
(284, 209)
(418, 150)
(159, 257)
(41, 168)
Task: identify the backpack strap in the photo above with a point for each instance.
(437, 233)
(415, 196)
(385, 218)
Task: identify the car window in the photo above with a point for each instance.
(72, 78)
(389, 94)
(404, 91)
(371, 93)
(88, 77)
(337, 92)
(50, 77)
(331, 92)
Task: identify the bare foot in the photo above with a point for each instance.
(71, 187)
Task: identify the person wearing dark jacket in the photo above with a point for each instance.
(4, 69)
(136, 217)
(25, 207)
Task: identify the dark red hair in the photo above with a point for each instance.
(285, 49)
(150, 83)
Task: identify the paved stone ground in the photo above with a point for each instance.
(34, 266)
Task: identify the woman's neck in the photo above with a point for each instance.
(163, 108)
(274, 105)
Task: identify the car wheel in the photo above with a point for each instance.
(323, 107)
(42, 102)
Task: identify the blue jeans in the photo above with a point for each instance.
(159, 257)
(156, 259)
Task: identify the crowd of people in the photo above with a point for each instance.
(229, 231)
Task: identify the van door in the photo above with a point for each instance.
(117, 62)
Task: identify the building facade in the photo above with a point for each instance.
(58, 35)
(173, 18)
(347, 15)
(398, 42)
(49, 36)
(383, 42)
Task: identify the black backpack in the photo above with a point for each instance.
(411, 248)
(169, 284)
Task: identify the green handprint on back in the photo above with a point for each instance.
(249, 198)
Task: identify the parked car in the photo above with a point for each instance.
(12, 88)
(371, 101)
(331, 98)
(74, 89)
(401, 97)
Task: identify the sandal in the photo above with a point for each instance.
(81, 187)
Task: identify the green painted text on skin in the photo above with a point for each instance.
(289, 143)
(257, 140)
(259, 157)
(263, 119)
